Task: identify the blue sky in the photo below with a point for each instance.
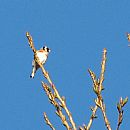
(76, 31)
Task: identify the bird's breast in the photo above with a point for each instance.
(42, 57)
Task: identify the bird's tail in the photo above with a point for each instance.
(32, 75)
(33, 69)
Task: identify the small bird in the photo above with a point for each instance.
(128, 36)
(42, 54)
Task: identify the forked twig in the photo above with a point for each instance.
(52, 99)
(93, 116)
(102, 105)
(98, 87)
(120, 106)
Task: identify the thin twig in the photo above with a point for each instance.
(98, 87)
(107, 123)
(52, 100)
(80, 128)
(102, 105)
(120, 106)
(92, 117)
(63, 103)
(31, 44)
(48, 121)
(103, 66)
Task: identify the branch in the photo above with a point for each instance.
(46, 75)
(120, 105)
(98, 87)
(30, 40)
(103, 66)
(93, 116)
(63, 103)
(80, 128)
(102, 105)
(52, 100)
(47, 121)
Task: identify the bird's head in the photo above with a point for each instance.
(45, 48)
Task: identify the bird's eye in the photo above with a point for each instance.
(44, 48)
(48, 50)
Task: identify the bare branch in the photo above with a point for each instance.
(30, 40)
(63, 103)
(103, 66)
(59, 102)
(80, 128)
(93, 116)
(52, 100)
(102, 105)
(98, 87)
(48, 121)
(120, 106)
(46, 75)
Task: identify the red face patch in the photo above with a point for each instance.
(41, 51)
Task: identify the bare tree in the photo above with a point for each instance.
(59, 102)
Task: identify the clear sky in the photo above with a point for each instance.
(76, 31)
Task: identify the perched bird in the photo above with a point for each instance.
(128, 36)
(42, 54)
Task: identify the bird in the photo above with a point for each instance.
(128, 36)
(42, 54)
